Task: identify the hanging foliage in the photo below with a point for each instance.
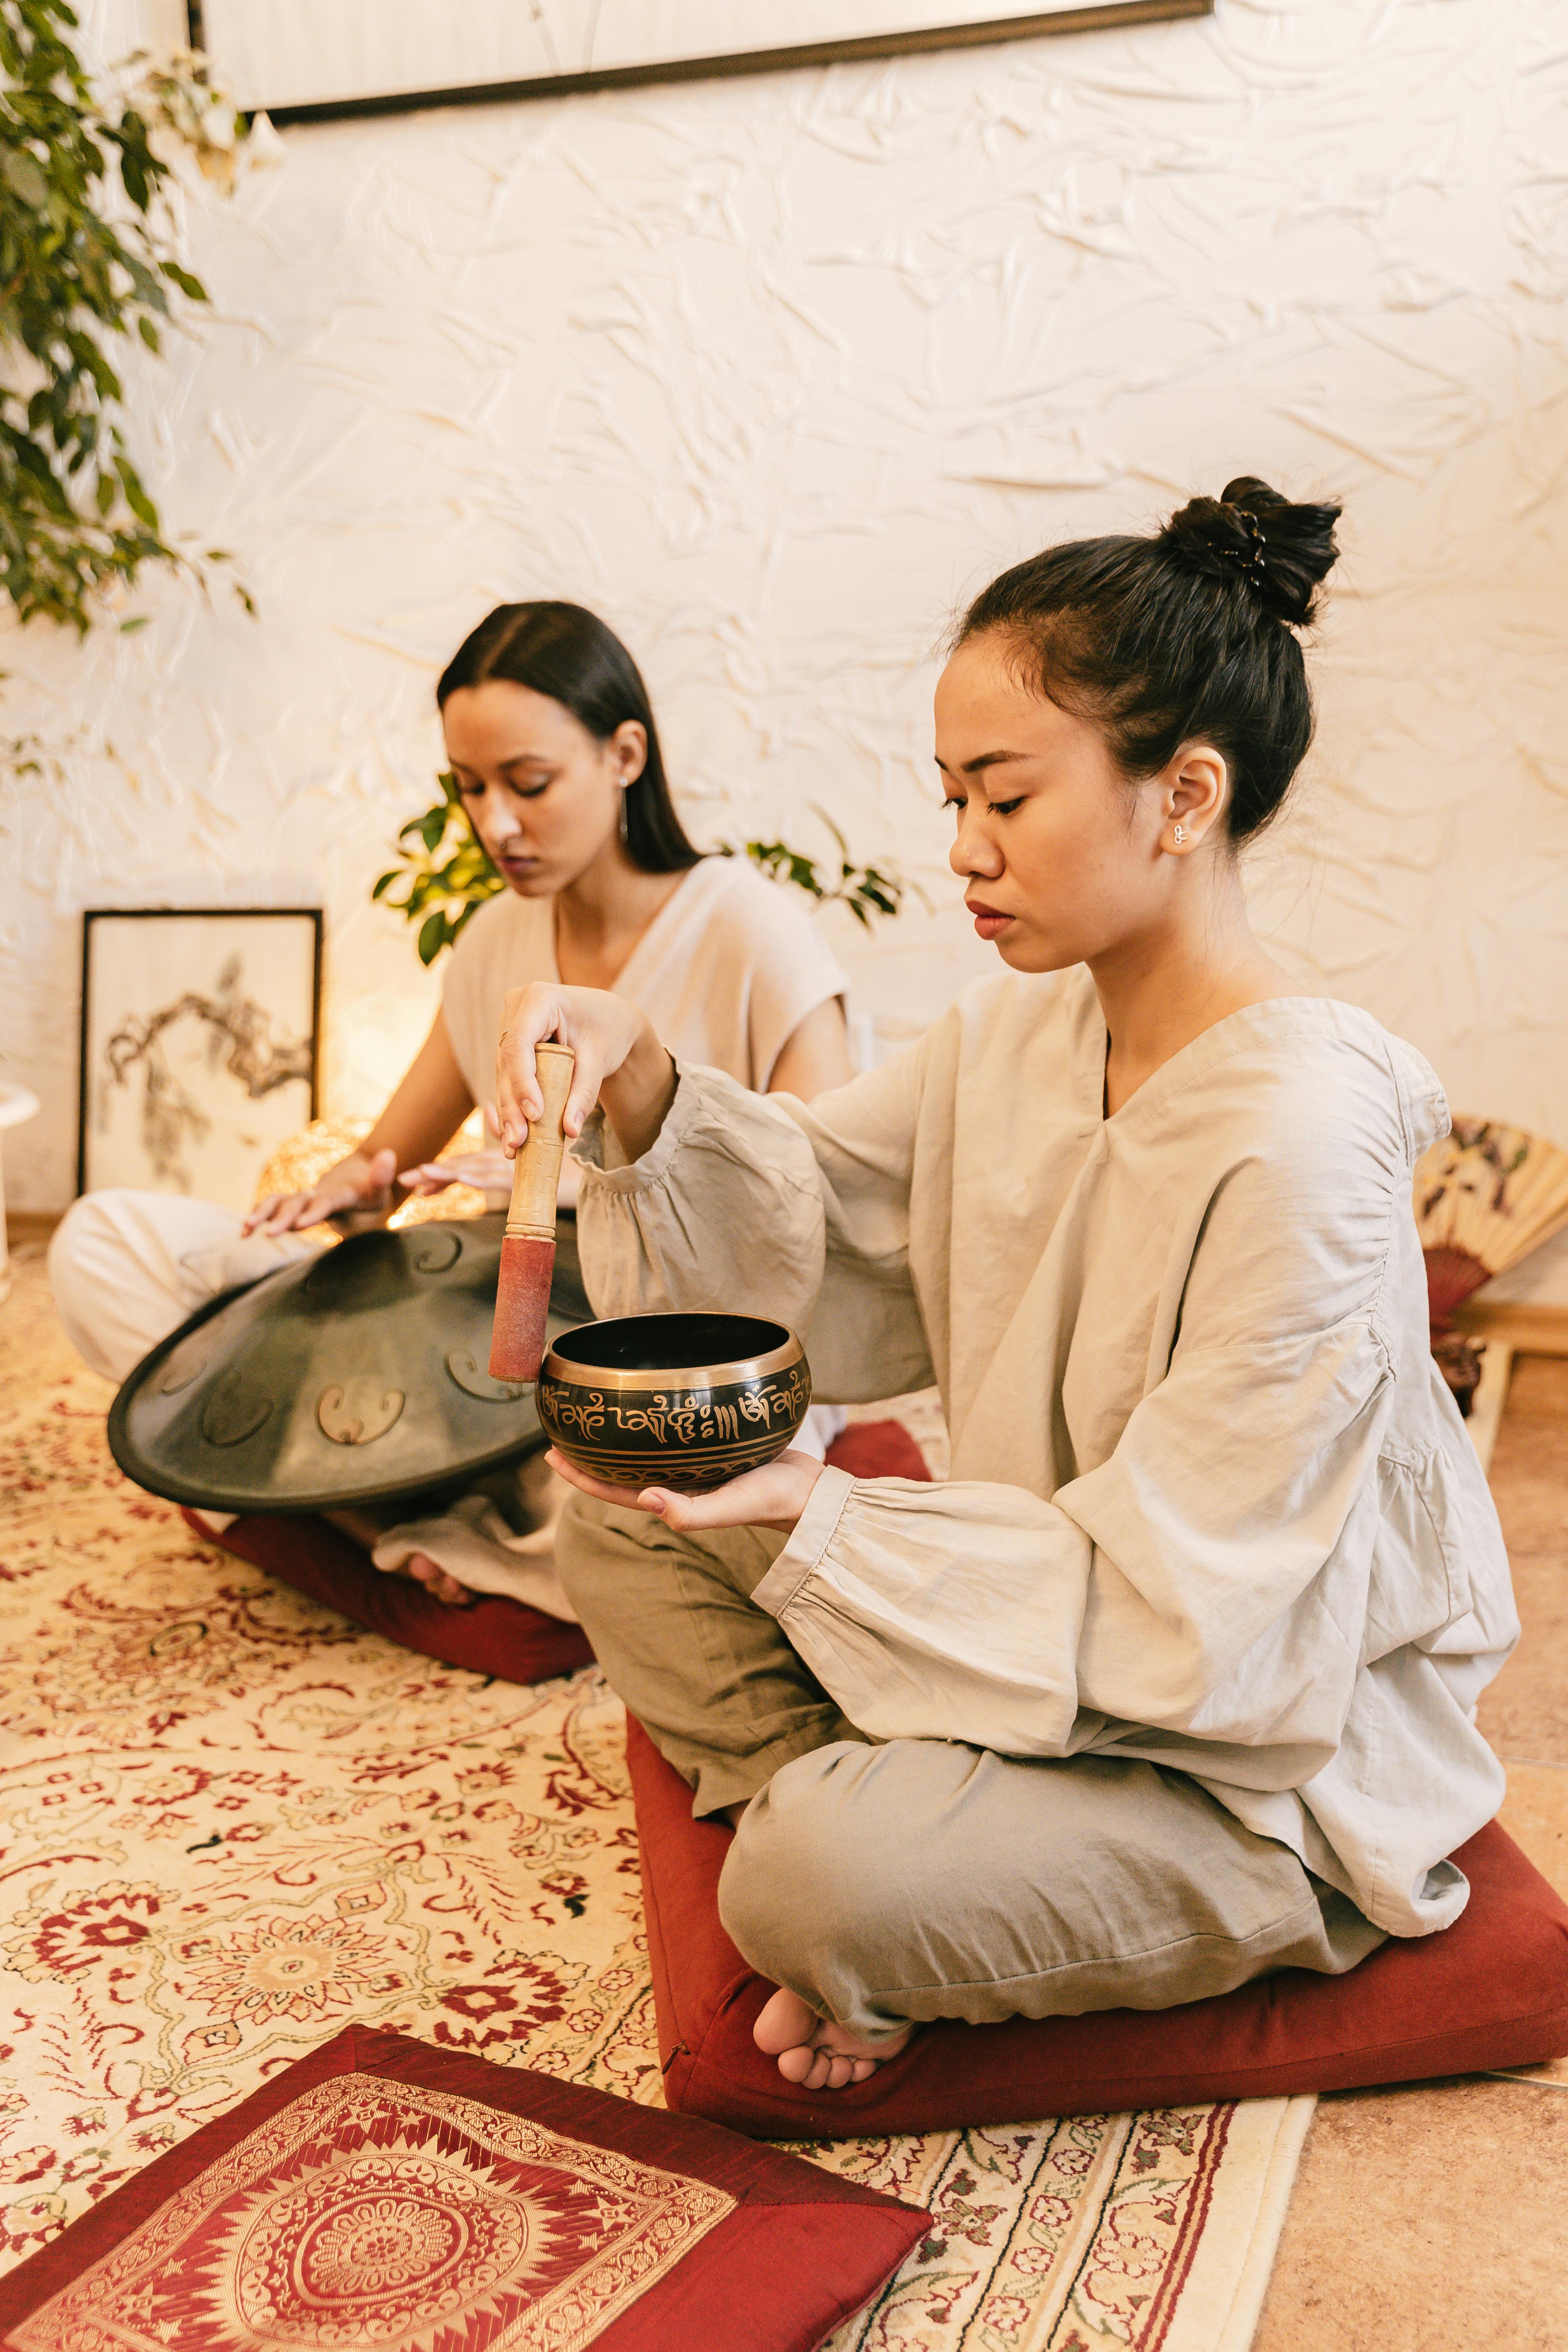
(83, 263)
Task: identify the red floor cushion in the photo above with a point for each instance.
(877, 1449)
(494, 1636)
(1491, 1990)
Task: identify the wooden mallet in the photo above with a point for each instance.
(528, 1251)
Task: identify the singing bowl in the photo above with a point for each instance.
(685, 1402)
(357, 1376)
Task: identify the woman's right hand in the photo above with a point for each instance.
(354, 1195)
(620, 1062)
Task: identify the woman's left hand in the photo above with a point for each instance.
(773, 1497)
(487, 1172)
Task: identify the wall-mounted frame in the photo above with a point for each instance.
(199, 1045)
(317, 60)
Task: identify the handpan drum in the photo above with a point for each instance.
(357, 1376)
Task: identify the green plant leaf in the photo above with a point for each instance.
(138, 185)
(136, 498)
(438, 893)
(24, 177)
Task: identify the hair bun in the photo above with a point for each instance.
(1250, 536)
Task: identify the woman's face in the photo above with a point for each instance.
(542, 795)
(1062, 861)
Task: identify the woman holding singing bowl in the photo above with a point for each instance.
(1172, 1684)
(551, 737)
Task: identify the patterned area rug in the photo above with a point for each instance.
(231, 1823)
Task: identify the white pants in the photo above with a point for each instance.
(126, 1268)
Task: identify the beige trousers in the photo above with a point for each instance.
(922, 1878)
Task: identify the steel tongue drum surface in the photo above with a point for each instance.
(356, 1376)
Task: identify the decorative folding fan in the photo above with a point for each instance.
(1485, 1197)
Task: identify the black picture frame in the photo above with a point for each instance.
(1097, 15)
(94, 916)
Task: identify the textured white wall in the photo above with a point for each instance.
(772, 373)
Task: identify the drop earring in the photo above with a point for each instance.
(623, 815)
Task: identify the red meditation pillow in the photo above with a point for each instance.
(494, 1636)
(1491, 1990)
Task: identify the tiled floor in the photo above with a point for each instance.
(1436, 2218)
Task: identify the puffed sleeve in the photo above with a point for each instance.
(1208, 1580)
(758, 1204)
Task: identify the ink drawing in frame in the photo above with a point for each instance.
(199, 1045)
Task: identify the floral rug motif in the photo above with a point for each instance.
(231, 1823)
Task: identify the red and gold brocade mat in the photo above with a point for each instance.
(383, 2193)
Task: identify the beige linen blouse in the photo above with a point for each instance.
(1212, 1504)
(727, 970)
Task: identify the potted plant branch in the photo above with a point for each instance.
(86, 261)
(446, 877)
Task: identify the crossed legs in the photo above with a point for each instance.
(883, 1885)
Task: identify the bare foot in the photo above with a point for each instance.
(813, 2051)
(367, 1528)
(435, 1581)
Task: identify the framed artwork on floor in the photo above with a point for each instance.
(199, 1044)
(312, 61)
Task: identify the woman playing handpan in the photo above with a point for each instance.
(1173, 1683)
(551, 737)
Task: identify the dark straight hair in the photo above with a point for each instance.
(567, 653)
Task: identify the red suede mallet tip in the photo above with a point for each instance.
(523, 1302)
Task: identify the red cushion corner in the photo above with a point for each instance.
(1489, 1992)
(877, 1449)
(495, 1636)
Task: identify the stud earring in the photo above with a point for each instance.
(1178, 832)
